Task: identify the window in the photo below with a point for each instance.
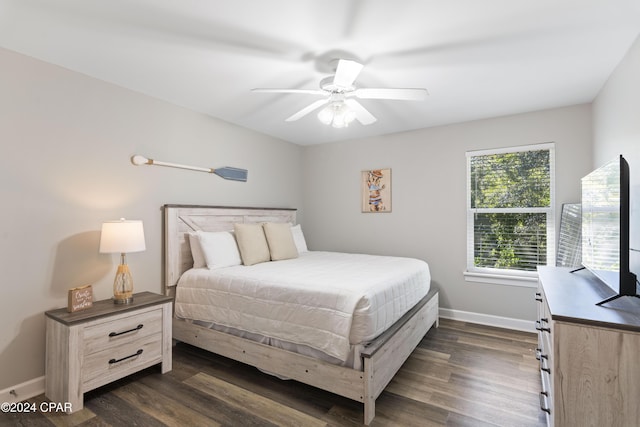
(510, 215)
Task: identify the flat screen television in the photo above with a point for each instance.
(605, 227)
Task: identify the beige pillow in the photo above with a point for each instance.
(280, 240)
(252, 243)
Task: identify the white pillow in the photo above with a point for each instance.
(196, 251)
(280, 240)
(298, 239)
(252, 243)
(219, 249)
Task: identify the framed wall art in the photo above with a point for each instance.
(376, 190)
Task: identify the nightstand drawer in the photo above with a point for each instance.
(108, 365)
(118, 332)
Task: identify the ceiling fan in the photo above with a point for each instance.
(339, 97)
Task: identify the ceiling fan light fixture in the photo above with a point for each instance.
(347, 115)
(337, 114)
(339, 122)
(326, 115)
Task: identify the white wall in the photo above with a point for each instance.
(616, 130)
(428, 220)
(66, 140)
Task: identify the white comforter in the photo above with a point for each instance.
(324, 300)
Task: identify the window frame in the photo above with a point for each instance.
(510, 276)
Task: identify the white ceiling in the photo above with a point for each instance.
(477, 58)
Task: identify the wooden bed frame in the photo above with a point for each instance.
(381, 359)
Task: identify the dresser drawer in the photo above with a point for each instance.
(114, 333)
(108, 365)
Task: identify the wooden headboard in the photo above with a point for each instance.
(179, 220)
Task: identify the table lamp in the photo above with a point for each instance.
(122, 237)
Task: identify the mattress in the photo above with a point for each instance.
(326, 301)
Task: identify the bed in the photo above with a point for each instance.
(354, 356)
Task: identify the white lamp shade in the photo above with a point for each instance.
(122, 237)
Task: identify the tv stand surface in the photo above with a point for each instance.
(589, 354)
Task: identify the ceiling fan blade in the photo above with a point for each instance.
(306, 110)
(302, 91)
(346, 73)
(401, 94)
(362, 114)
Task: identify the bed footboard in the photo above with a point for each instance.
(382, 358)
(335, 379)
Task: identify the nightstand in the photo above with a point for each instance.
(90, 348)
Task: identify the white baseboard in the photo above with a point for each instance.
(488, 319)
(24, 391)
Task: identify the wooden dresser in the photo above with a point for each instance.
(90, 348)
(589, 355)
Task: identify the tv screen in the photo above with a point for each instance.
(605, 226)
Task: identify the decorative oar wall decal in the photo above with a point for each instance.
(233, 174)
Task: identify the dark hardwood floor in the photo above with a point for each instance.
(461, 374)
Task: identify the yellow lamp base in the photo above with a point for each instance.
(123, 285)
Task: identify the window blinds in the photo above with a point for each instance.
(510, 208)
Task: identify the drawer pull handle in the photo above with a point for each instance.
(544, 360)
(540, 355)
(137, 353)
(115, 334)
(543, 395)
(540, 328)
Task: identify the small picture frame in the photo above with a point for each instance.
(376, 190)
(80, 298)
